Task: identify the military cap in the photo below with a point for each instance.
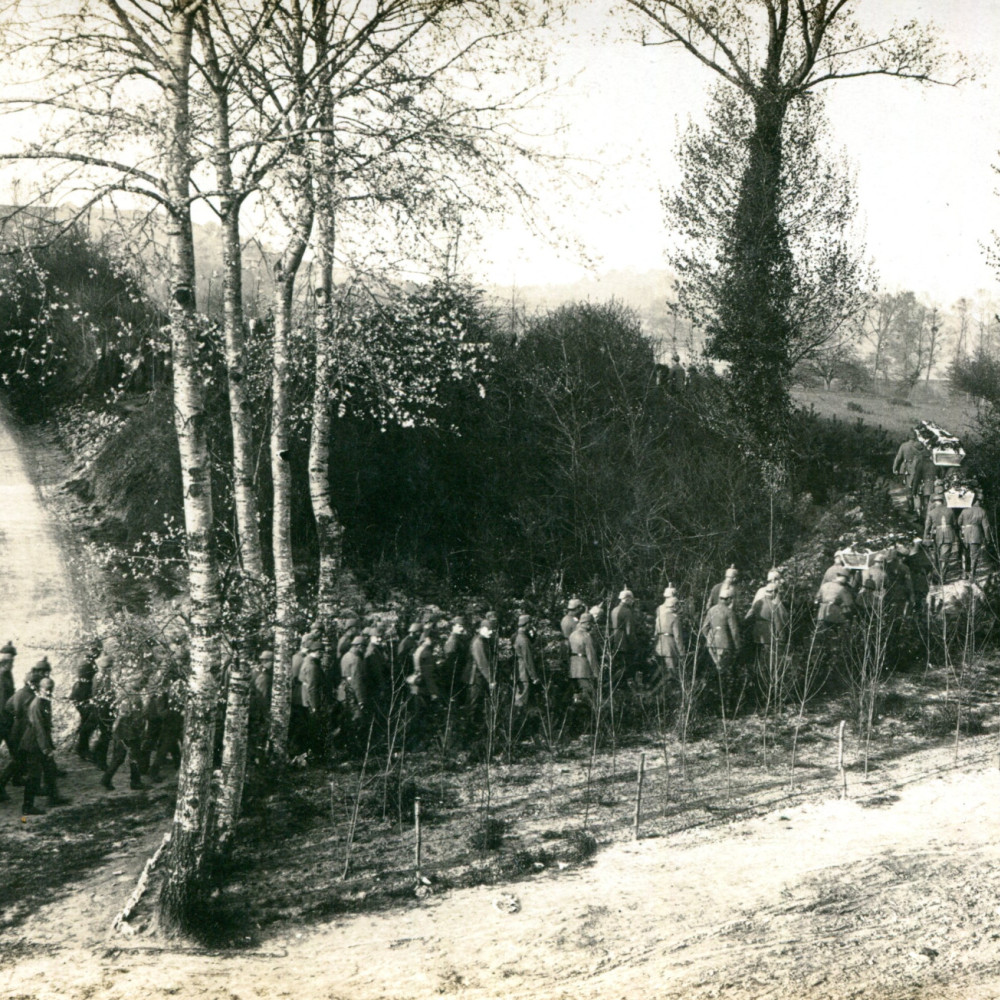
(773, 574)
(358, 640)
(415, 627)
(523, 620)
(842, 574)
(266, 654)
(575, 603)
(8, 649)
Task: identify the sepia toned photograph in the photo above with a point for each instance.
(499, 499)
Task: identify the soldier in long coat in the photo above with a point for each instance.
(572, 617)
(38, 751)
(127, 736)
(835, 603)
(16, 711)
(479, 676)
(355, 695)
(670, 639)
(768, 619)
(910, 452)
(939, 530)
(583, 662)
(975, 528)
(722, 637)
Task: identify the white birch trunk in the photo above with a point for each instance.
(234, 753)
(281, 471)
(329, 530)
(188, 846)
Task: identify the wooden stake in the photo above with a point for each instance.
(638, 793)
(840, 760)
(416, 827)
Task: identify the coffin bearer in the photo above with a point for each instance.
(835, 602)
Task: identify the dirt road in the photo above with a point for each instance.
(39, 602)
(897, 896)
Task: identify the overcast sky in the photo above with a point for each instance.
(923, 155)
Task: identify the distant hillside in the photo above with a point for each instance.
(649, 293)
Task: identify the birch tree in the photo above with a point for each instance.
(119, 101)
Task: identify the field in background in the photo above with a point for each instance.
(928, 401)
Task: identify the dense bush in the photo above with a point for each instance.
(74, 326)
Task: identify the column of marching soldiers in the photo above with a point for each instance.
(359, 688)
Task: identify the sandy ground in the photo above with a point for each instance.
(893, 893)
(892, 896)
(41, 595)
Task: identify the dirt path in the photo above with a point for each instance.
(40, 606)
(894, 895)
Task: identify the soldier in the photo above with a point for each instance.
(456, 654)
(722, 636)
(835, 603)
(312, 679)
(126, 739)
(170, 710)
(526, 676)
(354, 693)
(38, 751)
(351, 629)
(260, 703)
(263, 677)
(16, 711)
(773, 576)
(768, 619)
(479, 678)
(583, 662)
(572, 617)
(82, 697)
(939, 530)
(922, 478)
(424, 704)
(7, 689)
(104, 704)
(623, 633)
(875, 583)
(670, 640)
(407, 646)
(916, 560)
(975, 527)
(730, 582)
(910, 452)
